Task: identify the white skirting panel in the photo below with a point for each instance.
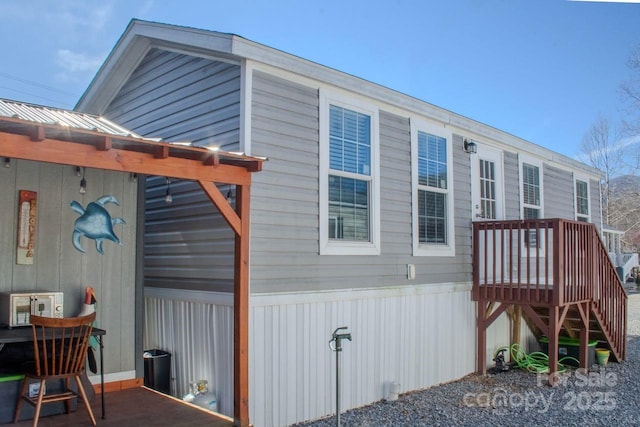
(417, 336)
(197, 329)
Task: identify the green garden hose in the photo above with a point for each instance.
(535, 362)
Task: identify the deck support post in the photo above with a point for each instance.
(515, 314)
(481, 338)
(585, 311)
(486, 316)
(554, 329)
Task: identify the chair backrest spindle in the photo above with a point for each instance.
(61, 345)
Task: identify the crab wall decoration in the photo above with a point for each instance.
(95, 223)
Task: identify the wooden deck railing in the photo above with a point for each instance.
(548, 262)
(610, 301)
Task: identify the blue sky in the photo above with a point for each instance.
(540, 69)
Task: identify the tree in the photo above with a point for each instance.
(601, 148)
(624, 209)
(630, 90)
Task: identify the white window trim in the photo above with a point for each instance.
(432, 249)
(334, 247)
(533, 162)
(539, 164)
(576, 178)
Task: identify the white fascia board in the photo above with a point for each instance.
(112, 74)
(131, 48)
(519, 145)
(277, 59)
(140, 36)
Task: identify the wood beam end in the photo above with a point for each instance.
(38, 134)
(161, 152)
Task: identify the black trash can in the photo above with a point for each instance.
(157, 370)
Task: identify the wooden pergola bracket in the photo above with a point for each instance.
(223, 206)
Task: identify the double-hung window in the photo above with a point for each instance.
(531, 196)
(348, 178)
(531, 191)
(432, 190)
(582, 200)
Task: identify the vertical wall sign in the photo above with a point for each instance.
(27, 211)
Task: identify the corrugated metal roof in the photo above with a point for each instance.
(40, 122)
(55, 116)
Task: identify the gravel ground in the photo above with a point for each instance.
(605, 396)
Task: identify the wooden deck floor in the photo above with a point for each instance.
(136, 407)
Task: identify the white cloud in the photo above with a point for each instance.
(78, 63)
(85, 16)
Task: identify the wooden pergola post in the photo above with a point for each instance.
(238, 220)
(241, 311)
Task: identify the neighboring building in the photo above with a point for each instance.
(361, 218)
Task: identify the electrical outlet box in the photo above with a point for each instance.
(411, 271)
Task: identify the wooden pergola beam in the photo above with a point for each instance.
(115, 159)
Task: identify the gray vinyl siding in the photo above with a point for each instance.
(187, 244)
(395, 180)
(558, 193)
(58, 265)
(511, 185)
(182, 98)
(460, 265)
(285, 202)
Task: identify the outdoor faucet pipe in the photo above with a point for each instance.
(336, 345)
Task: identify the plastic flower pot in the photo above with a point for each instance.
(602, 356)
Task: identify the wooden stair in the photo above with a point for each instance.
(558, 273)
(571, 329)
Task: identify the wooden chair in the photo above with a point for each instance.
(60, 347)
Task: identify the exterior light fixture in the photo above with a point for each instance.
(470, 146)
(83, 182)
(7, 162)
(134, 177)
(229, 196)
(78, 171)
(168, 198)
